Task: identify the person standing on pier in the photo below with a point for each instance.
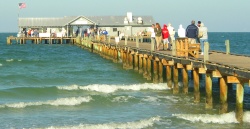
(171, 35)
(152, 30)
(165, 35)
(158, 35)
(192, 32)
(204, 37)
(181, 32)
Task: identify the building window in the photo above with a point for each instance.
(114, 29)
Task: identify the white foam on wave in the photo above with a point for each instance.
(9, 60)
(1, 64)
(58, 102)
(216, 118)
(150, 99)
(112, 88)
(128, 125)
(122, 99)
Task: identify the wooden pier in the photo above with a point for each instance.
(228, 68)
(39, 40)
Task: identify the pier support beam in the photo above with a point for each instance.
(223, 96)
(209, 97)
(145, 71)
(239, 102)
(160, 72)
(136, 63)
(169, 76)
(175, 78)
(140, 64)
(196, 85)
(130, 60)
(149, 66)
(125, 59)
(155, 71)
(185, 79)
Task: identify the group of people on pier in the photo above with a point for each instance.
(165, 36)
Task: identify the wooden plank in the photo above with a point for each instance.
(202, 70)
(171, 63)
(164, 62)
(216, 73)
(157, 59)
(179, 66)
(189, 67)
(232, 79)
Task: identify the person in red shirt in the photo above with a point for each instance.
(165, 35)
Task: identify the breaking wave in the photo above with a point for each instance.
(216, 118)
(58, 102)
(135, 125)
(113, 88)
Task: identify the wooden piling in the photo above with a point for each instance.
(149, 66)
(209, 97)
(140, 63)
(223, 96)
(175, 79)
(169, 76)
(130, 62)
(124, 59)
(145, 71)
(155, 72)
(136, 62)
(185, 79)
(196, 85)
(160, 72)
(239, 102)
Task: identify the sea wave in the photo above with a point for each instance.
(113, 88)
(58, 102)
(216, 118)
(120, 99)
(9, 60)
(144, 123)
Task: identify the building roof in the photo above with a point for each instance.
(78, 20)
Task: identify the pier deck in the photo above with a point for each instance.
(231, 60)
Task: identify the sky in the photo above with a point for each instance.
(217, 15)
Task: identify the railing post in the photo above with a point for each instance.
(174, 48)
(126, 40)
(227, 46)
(137, 42)
(109, 39)
(206, 51)
(152, 44)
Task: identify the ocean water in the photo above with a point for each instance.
(64, 86)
